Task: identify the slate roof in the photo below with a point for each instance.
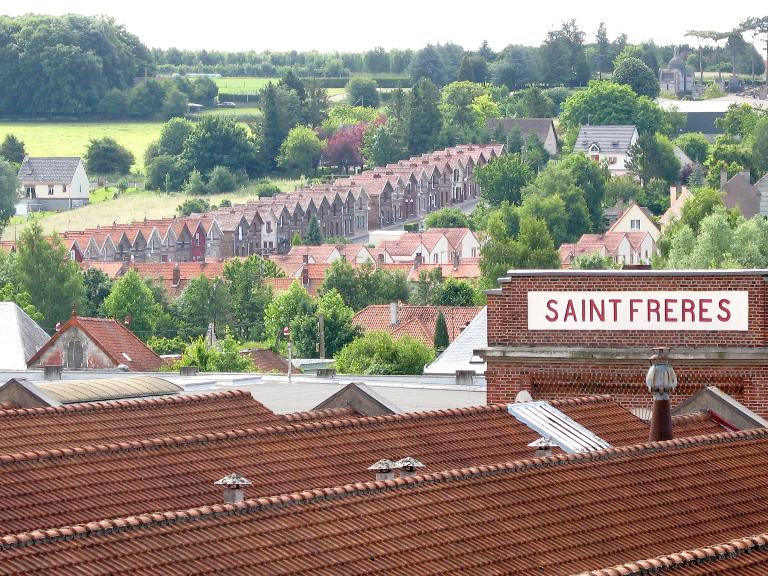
(540, 127)
(68, 486)
(460, 353)
(115, 340)
(20, 337)
(59, 170)
(416, 321)
(608, 138)
(31, 429)
(552, 515)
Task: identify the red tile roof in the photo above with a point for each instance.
(29, 429)
(68, 486)
(187, 271)
(115, 340)
(416, 321)
(111, 269)
(327, 415)
(269, 361)
(699, 423)
(553, 515)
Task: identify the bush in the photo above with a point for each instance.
(193, 205)
(221, 179)
(166, 173)
(161, 345)
(266, 188)
(377, 353)
(106, 156)
(195, 185)
(225, 359)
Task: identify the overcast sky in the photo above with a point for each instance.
(329, 25)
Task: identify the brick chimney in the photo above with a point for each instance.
(385, 469)
(408, 466)
(672, 194)
(661, 382)
(176, 275)
(723, 178)
(393, 313)
(456, 260)
(543, 446)
(233, 488)
(305, 275)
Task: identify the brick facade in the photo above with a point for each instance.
(556, 364)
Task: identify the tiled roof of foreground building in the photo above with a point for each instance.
(554, 515)
(29, 429)
(71, 485)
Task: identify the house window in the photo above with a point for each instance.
(64, 189)
(612, 159)
(269, 226)
(75, 354)
(50, 190)
(474, 252)
(240, 232)
(197, 239)
(634, 224)
(596, 157)
(30, 191)
(435, 257)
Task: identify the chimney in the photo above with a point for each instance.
(305, 258)
(672, 194)
(176, 275)
(661, 381)
(543, 446)
(305, 275)
(408, 466)
(723, 178)
(233, 488)
(385, 469)
(52, 372)
(393, 320)
(456, 259)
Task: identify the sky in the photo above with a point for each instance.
(333, 25)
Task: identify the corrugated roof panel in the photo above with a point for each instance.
(74, 391)
(548, 421)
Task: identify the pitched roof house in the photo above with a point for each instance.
(83, 343)
(53, 183)
(607, 144)
(636, 218)
(740, 193)
(20, 337)
(622, 247)
(542, 128)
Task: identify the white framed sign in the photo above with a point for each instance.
(639, 310)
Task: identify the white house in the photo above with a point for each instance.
(463, 240)
(608, 144)
(53, 183)
(630, 248)
(636, 219)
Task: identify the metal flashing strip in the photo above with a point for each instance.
(550, 422)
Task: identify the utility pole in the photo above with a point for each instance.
(287, 334)
(321, 321)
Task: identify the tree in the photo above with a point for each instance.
(441, 333)
(473, 68)
(637, 75)
(759, 26)
(363, 92)
(452, 292)
(97, 286)
(695, 145)
(146, 99)
(702, 203)
(384, 143)
(535, 248)
(293, 303)
(602, 54)
(536, 104)
(594, 262)
(204, 301)
(47, 274)
(248, 295)
(447, 218)
(218, 141)
(221, 179)
(760, 145)
(563, 57)
(12, 149)
(427, 65)
(301, 150)
(226, 358)
(196, 185)
(106, 156)
(592, 178)
(423, 117)
(203, 91)
(173, 136)
(337, 321)
(378, 353)
(166, 173)
(455, 100)
(503, 178)
(9, 192)
(314, 237)
(131, 301)
(342, 278)
(376, 60)
(175, 105)
(343, 149)
(653, 156)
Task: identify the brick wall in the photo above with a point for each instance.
(547, 379)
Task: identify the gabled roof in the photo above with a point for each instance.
(675, 210)
(460, 354)
(20, 337)
(416, 321)
(608, 138)
(111, 269)
(540, 127)
(115, 340)
(626, 213)
(269, 361)
(562, 514)
(56, 170)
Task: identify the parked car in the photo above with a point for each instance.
(227, 105)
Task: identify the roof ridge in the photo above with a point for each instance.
(287, 428)
(107, 526)
(575, 401)
(692, 417)
(315, 414)
(115, 405)
(692, 556)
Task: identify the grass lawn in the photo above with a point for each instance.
(131, 206)
(246, 85)
(71, 138)
(237, 113)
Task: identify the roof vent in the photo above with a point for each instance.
(543, 446)
(233, 488)
(661, 381)
(408, 466)
(385, 469)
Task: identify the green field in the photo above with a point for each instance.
(71, 138)
(247, 85)
(130, 207)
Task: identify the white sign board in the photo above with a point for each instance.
(641, 310)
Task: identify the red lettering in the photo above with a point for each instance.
(723, 305)
(595, 311)
(615, 302)
(704, 310)
(668, 311)
(583, 310)
(689, 307)
(569, 311)
(632, 308)
(550, 304)
(653, 308)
